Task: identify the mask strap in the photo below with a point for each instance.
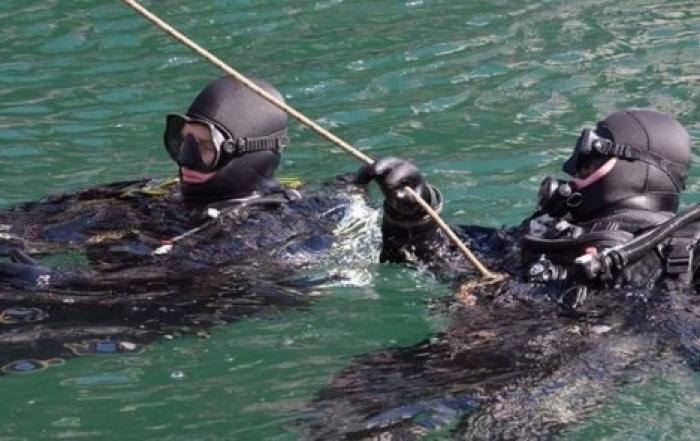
(275, 142)
(674, 171)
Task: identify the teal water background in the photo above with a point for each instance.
(487, 97)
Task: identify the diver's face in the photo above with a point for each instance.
(202, 136)
(589, 165)
(592, 170)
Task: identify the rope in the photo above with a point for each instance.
(485, 273)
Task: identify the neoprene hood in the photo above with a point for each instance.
(239, 113)
(638, 183)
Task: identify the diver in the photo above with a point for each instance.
(228, 204)
(229, 142)
(145, 258)
(627, 176)
(600, 289)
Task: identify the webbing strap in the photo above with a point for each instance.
(675, 171)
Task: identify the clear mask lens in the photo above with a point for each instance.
(208, 152)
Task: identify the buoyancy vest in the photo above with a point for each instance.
(551, 247)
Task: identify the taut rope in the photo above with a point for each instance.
(485, 273)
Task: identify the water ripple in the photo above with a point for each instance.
(486, 97)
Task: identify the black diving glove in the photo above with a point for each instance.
(393, 174)
(24, 272)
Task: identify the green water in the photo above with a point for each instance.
(486, 96)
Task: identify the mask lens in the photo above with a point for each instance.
(584, 146)
(173, 135)
(581, 150)
(208, 153)
(204, 152)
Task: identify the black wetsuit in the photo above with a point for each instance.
(513, 364)
(122, 278)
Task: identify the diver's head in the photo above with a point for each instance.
(228, 144)
(634, 159)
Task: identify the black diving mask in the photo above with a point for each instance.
(208, 156)
(591, 144)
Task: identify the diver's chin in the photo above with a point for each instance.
(189, 176)
(597, 175)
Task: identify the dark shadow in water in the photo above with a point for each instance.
(121, 294)
(511, 367)
(39, 327)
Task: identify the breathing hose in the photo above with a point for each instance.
(616, 258)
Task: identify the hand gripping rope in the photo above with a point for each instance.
(485, 273)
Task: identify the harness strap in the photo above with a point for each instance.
(680, 254)
(679, 260)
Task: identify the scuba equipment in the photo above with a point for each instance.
(239, 147)
(208, 155)
(544, 270)
(628, 249)
(589, 143)
(634, 159)
(556, 197)
(614, 257)
(606, 264)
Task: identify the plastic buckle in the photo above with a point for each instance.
(240, 145)
(679, 261)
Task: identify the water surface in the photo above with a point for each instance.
(487, 97)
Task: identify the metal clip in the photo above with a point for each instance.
(679, 261)
(545, 271)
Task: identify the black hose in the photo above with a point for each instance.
(640, 246)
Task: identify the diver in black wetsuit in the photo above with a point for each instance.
(526, 357)
(167, 259)
(627, 173)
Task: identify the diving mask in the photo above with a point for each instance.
(220, 147)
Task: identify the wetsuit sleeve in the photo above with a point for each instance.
(419, 241)
(407, 238)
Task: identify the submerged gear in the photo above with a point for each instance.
(256, 131)
(24, 272)
(207, 156)
(653, 152)
(115, 294)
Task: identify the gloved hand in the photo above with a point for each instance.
(24, 272)
(393, 174)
